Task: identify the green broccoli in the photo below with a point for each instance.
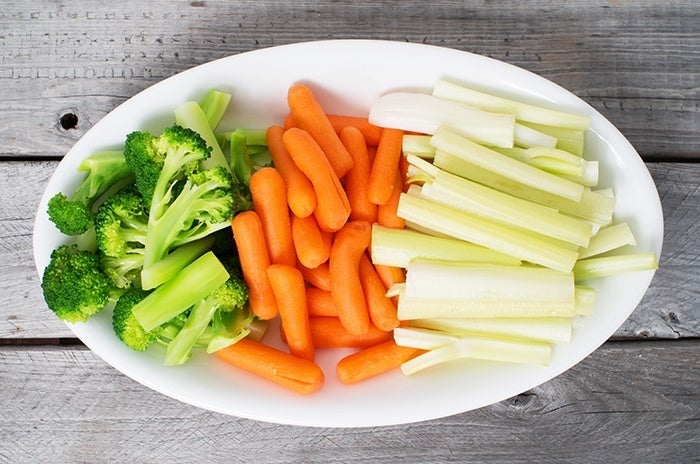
(74, 285)
(186, 201)
(75, 215)
(125, 325)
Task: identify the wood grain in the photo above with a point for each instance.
(638, 63)
(669, 310)
(66, 405)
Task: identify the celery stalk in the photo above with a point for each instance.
(571, 140)
(526, 137)
(398, 247)
(593, 206)
(418, 145)
(423, 113)
(546, 329)
(607, 239)
(593, 268)
(522, 111)
(448, 141)
(521, 244)
(585, 300)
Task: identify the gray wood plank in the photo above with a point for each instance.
(636, 62)
(627, 402)
(669, 310)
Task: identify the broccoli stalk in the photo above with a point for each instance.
(75, 215)
(174, 262)
(74, 284)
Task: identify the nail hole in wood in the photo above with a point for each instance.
(69, 121)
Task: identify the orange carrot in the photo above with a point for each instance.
(357, 178)
(382, 311)
(298, 374)
(300, 192)
(289, 122)
(320, 302)
(288, 287)
(310, 116)
(386, 213)
(373, 361)
(332, 209)
(386, 164)
(329, 332)
(370, 132)
(269, 195)
(254, 258)
(348, 248)
(390, 275)
(312, 245)
(319, 276)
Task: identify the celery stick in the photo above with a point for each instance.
(423, 113)
(214, 106)
(398, 247)
(570, 140)
(585, 300)
(499, 164)
(592, 268)
(423, 166)
(593, 206)
(522, 111)
(418, 145)
(521, 244)
(489, 203)
(546, 329)
(607, 239)
(553, 160)
(526, 137)
(430, 358)
(190, 115)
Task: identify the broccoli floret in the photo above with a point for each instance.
(74, 215)
(74, 284)
(125, 325)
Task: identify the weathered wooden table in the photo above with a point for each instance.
(66, 64)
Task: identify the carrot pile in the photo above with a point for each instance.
(304, 248)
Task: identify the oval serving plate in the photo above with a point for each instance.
(348, 75)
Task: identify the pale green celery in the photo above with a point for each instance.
(473, 347)
(570, 140)
(437, 279)
(522, 111)
(214, 105)
(419, 165)
(423, 113)
(592, 268)
(593, 206)
(418, 145)
(398, 247)
(483, 201)
(189, 286)
(526, 137)
(559, 162)
(174, 262)
(520, 244)
(585, 300)
(190, 115)
(445, 140)
(607, 239)
(546, 329)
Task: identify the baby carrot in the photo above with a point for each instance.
(320, 302)
(288, 287)
(300, 192)
(370, 132)
(297, 374)
(310, 116)
(289, 122)
(319, 276)
(382, 311)
(386, 213)
(329, 332)
(312, 245)
(348, 248)
(357, 178)
(269, 195)
(373, 361)
(386, 164)
(252, 252)
(390, 275)
(332, 209)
